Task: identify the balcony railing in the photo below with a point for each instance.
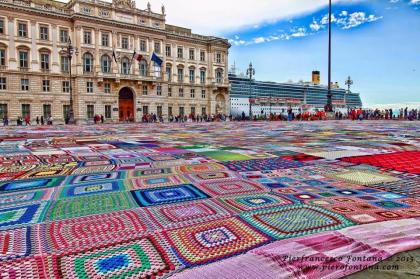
(24, 69)
(3, 67)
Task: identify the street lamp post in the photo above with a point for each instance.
(349, 83)
(329, 95)
(70, 50)
(250, 72)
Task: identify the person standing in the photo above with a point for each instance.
(37, 120)
(102, 119)
(28, 120)
(42, 120)
(5, 120)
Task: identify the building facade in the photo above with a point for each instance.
(113, 73)
(272, 97)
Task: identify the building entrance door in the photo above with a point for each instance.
(126, 104)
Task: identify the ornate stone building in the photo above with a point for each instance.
(108, 78)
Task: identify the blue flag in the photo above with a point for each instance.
(156, 59)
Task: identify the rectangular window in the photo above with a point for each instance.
(159, 90)
(143, 46)
(46, 85)
(203, 94)
(124, 43)
(66, 111)
(64, 64)
(3, 110)
(144, 92)
(192, 54)
(46, 110)
(157, 47)
(193, 110)
(169, 91)
(2, 57)
(22, 30)
(202, 56)
(180, 75)
(192, 76)
(87, 38)
(192, 93)
(168, 51)
(203, 111)
(202, 77)
(64, 36)
(24, 84)
(108, 113)
(2, 26)
(43, 33)
(159, 111)
(181, 111)
(105, 40)
(26, 110)
(180, 52)
(107, 87)
(90, 109)
(181, 92)
(89, 87)
(218, 57)
(170, 111)
(145, 109)
(23, 59)
(45, 61)
(66, 86)
(3, 83)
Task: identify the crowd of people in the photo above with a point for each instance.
(352, 114)
(20, 121)
(153, 118)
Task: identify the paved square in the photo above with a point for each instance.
(147, 201)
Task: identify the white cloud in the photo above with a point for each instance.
(415, 2)
(345, 21)
(221, 16)
(315, 26)
(356, 19)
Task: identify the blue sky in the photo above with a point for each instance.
(376, 42)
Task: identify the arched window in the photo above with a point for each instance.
(191, 74)
(106, 63)
(23, 54)
(180, 73)
(87, 63)
(45, 61)
(157, 70)
(219, 76)
(168, 72)
(125, 66)
(2, 55)
(203, 75)
(143, 68)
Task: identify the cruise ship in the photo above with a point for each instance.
(264, 97)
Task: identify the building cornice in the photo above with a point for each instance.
(193, 38)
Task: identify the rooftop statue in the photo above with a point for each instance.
(124, 3)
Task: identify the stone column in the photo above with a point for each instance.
(35, 56)
(55, 63)
(97, 59)
(12, 65)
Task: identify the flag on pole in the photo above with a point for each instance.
(132, 58)
(114, 56)
(134, 55)
(138, 57)
(156, 59)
